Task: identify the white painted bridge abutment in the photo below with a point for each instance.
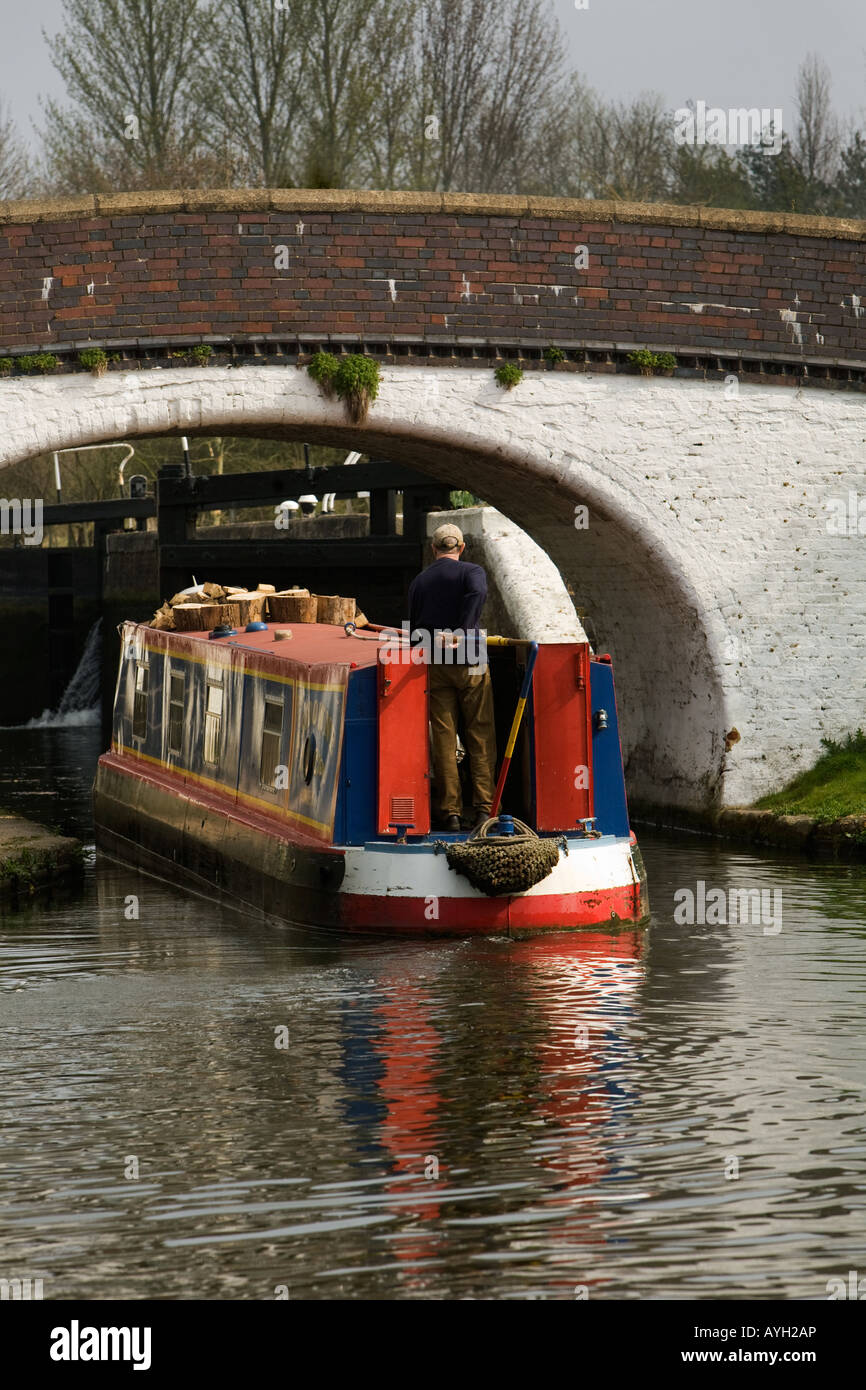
(709, 533)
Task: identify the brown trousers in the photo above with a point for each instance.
(466, 691)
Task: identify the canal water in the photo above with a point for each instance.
(197, 1105)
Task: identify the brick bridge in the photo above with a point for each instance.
(723, 559)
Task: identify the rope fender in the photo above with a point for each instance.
(501, 865)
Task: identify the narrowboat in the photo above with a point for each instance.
(290, 774)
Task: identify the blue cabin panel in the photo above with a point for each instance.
(609, 799)
(355, 819)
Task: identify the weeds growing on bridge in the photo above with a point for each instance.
(357, 385)
(323, 369)
(95, 360)
(201, 353)
(36, 363)
(508, 376)
(354, 378)
(648, 363)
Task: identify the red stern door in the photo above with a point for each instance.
(563, 736)
(404, 749)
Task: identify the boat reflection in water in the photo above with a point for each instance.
(408, 1051)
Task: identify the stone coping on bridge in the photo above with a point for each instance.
(579, 355)
(769, 368)
(305, 200)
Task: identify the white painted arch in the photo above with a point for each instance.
(708, 568)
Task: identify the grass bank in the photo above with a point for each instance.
(835, 787)
(821, 812)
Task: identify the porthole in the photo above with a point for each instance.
(308, 762)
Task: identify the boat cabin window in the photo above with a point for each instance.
(213, 719)
(139, 707)
(272, 734)
(175, 712)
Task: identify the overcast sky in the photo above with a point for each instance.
(726, 52)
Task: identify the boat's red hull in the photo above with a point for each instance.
(468, 916)
(187, 835)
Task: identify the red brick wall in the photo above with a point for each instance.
(496, 270)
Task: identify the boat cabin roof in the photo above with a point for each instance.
(312, 644)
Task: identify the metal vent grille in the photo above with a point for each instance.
(402, 810)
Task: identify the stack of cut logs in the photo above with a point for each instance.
(213, 605)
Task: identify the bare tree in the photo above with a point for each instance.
(850, 185)
(133, 121)
(456, 37)
(421, 94)
(489, 77)
(15, 172)
(251, 80)
(523, 79)
(340, 54)
(561, 147)
(626, 149)
(816, 145)
(394, 128)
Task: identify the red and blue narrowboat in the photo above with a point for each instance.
(292, 777)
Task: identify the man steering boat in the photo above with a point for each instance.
(445, 604)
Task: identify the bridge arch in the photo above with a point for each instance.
(687, 636)
(734, 612)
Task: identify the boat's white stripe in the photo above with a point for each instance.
(587, 868)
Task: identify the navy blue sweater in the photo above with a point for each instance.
(448, 594)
